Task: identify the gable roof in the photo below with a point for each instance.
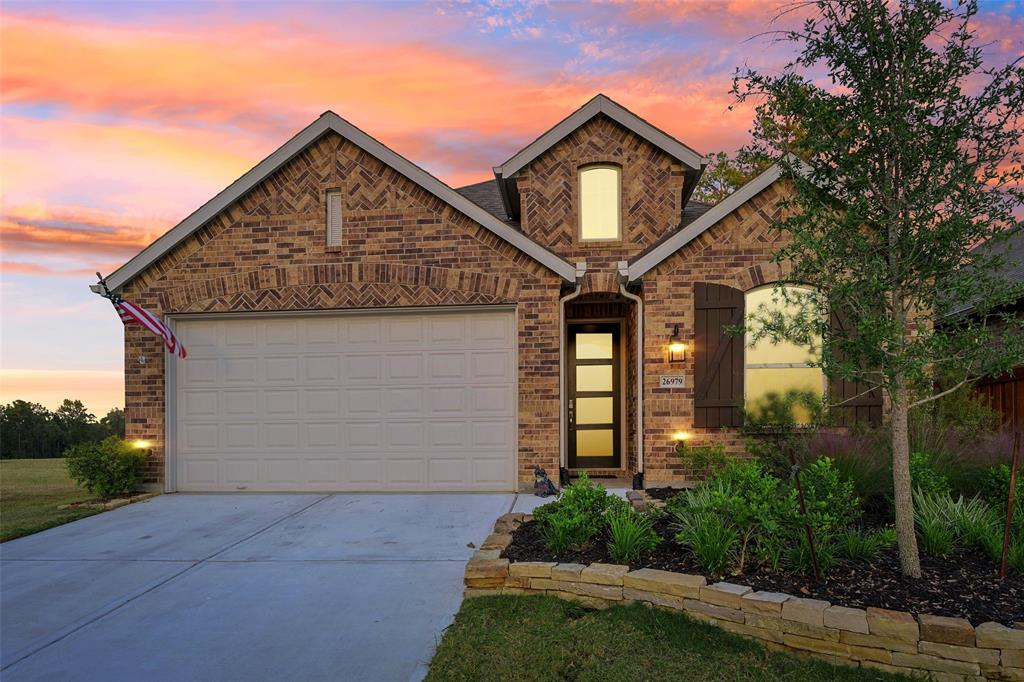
(648, 260)
(602, 104)
(330, 121)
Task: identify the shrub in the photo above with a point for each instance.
(712, 541)
(799, 554)
(108, 468)
(576, 516)
(862, 545)
(702, 459)
(925, 477)
(996, 488)
(832, 505)
(754, 501)
(937, 538)
(631, 535)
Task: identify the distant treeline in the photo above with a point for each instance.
(30, 430)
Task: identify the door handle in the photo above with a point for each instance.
(571, 413)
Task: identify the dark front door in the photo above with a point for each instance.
(593, 404)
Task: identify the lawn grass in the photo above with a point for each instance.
(544, 638)
(31, 490)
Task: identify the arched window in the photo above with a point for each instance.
(600, 203)
(777, 368)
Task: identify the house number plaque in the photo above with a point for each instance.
(672, 381)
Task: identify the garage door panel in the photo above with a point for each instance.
(447, 400)
(404, 368)
(322, 401)
(362, 402)
(364, 368)
(322, 368)
(240, 333)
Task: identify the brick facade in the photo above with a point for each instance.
(652, 187)
(404, 247)
(735, 252)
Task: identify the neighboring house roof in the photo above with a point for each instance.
(1013, 250)
(487, 196)
(330, 121)
(650, 258)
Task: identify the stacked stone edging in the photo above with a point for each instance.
(894, 641)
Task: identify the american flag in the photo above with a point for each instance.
(130, 312)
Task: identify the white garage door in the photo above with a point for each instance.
(393, 401)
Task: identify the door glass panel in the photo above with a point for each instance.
(593, 378)
(593, 346)
(596, 443)
(594, 410)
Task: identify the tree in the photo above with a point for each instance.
(909, 159)
(75, 423)
(113, 423)
(725, 175)
(26, 430)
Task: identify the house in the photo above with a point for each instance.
(1005, 392)
(353, 323)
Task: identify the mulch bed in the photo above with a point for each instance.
(961, 585)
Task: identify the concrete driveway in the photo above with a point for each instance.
(242, 587)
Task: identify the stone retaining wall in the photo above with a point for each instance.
(894, 641)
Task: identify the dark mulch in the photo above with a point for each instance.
(663, 493)
(961, 584)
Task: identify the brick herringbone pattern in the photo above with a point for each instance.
(652, 185)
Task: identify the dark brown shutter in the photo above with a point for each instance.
(851, 403)
(718, 376)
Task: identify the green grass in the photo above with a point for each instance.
(31, 490)
(544, 638)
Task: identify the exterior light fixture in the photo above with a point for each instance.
(676, 347)
(141, 444)
(680, 438)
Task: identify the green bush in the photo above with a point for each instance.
(631, 535)
(860, 545)
(925, 477)
(712, 541)
(576, 516)
(108, 468)
(754, 501)
(996, 489)
(832, 505)
(799, 554)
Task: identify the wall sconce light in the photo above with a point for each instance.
(680, 438)
(141, 444)
(676, 347)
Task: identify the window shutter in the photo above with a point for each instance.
(718, 355)
(334, 218)
(852, 404)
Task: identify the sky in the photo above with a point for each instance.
(117, 120)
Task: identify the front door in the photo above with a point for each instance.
(593, 404)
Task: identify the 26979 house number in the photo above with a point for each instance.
(672, 381)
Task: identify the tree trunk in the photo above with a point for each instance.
(903, 501)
